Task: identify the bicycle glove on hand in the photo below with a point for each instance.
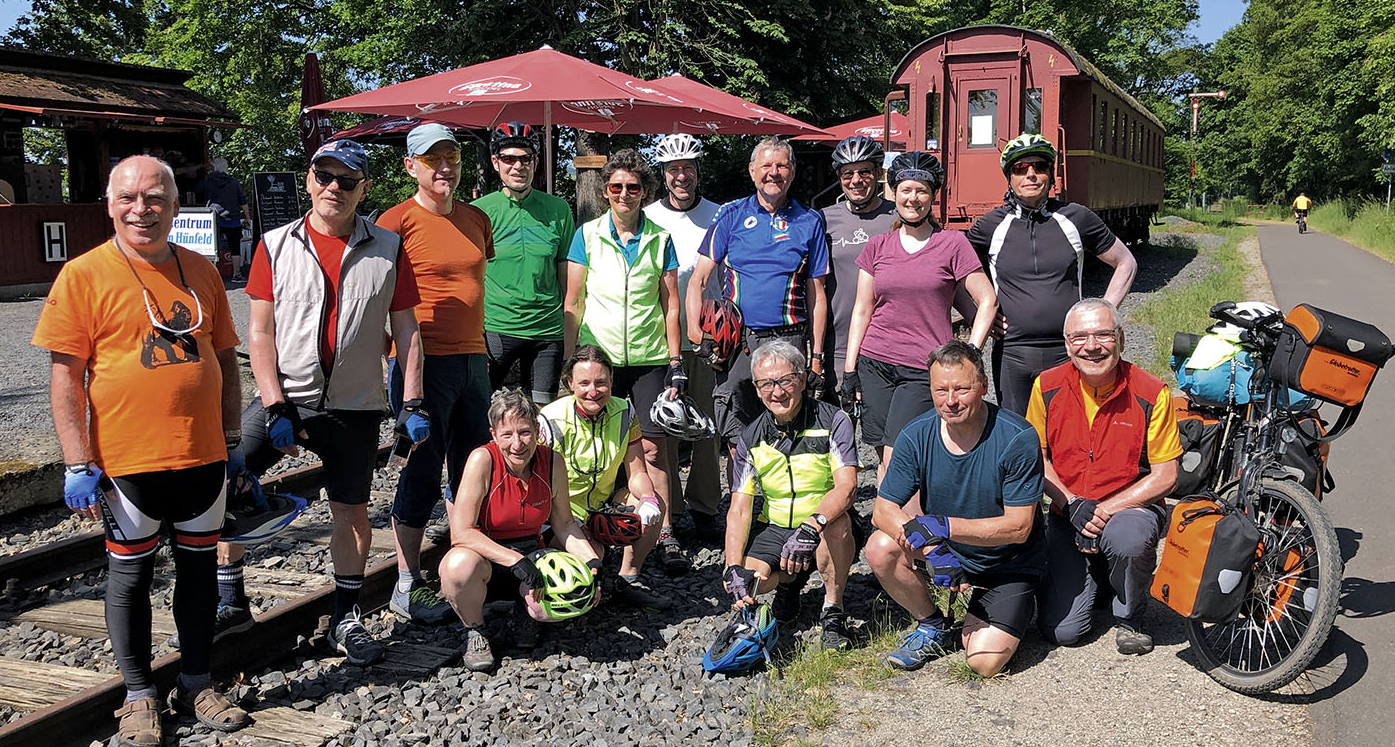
(851, 390)
(527, 574)
(740, 582)
(649, 511)
(282, 423)
(922, 530)
(945, 568)
(1080, 512)
(413, 422)
(676, 378)
(800, 546)
(237, 462)
(80, 488)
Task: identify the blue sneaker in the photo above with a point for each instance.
(920, 645)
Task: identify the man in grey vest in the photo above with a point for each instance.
(324, 289)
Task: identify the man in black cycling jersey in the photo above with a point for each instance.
(1034, 248)
(801, 454)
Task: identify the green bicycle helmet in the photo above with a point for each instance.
(1027, 144)
(569, 589)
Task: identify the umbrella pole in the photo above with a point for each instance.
(547, 133)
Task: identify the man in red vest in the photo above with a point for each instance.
(1110, 447)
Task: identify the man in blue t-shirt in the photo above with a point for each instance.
(978, 528)
(773, 255)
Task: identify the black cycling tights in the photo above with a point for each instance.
(128, 613)
(1015, 367)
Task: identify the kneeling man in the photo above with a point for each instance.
(1109, 439)
(977, 527)
(802, 455)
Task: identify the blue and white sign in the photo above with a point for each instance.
(196, 229)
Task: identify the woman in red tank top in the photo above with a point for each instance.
(511, 486)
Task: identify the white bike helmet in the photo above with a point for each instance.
(1249, 310)
(677, 148)
(682, 419)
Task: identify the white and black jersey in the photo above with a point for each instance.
(1036, 259)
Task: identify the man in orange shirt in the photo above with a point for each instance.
(448, 242)
(142, 340)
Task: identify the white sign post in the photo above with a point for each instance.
(196, 229)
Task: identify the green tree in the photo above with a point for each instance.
(104, 29)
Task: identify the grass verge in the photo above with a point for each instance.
(1365, 224)
(1183, 309)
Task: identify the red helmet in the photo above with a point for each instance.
(721, 331)
(614, 525)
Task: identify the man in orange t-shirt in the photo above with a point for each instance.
(448, 242)
(142, 340)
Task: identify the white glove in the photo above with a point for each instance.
(649, 511)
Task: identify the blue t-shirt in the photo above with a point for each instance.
(768, 259)
(1003, 469)
(629, 249)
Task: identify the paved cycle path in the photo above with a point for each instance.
(1356, 688)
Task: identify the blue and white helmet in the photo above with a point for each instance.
(746, 642)
(252, 523)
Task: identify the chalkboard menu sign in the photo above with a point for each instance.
(277, 198)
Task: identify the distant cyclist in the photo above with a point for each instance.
(511, 487)
(851, 223)
(1034, 250)
(1301, 205)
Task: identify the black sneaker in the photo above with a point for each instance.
(353, 640)
(228, 619)
(671, 556)
(439, 531)
(526, 630)
(636, 594)
(1130, 640)
(787, 604)
(834, 634)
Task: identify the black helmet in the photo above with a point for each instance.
(917, 165)
(857, 148)
(513, 135)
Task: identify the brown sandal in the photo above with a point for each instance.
(140, 724)
(211, 708)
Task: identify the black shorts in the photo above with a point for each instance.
(1003, 600)
(187, 502)
(503, 586)
(346, 441)
(539, 363)
(892, 396)
(766, 541)
(641, 385)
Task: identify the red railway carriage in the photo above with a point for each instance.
(973, 89)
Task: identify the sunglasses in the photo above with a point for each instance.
(434, 160)
(864, 174)
(346, 183)
(615, 188)
(512, 160)
(159, 324)
(1022, 167)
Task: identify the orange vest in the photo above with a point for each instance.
(1097, 460)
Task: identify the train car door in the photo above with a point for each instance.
(985, 108)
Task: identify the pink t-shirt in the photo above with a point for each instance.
(913, 294)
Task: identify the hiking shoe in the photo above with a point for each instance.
(920, 645)
(210, 708)
(439, 531)
(834, 634)
(475, 653)
(787, 604)
(1130, 640)
(671, 556)
(636, 594)
(228, 619)
(421, 605)
(353, 640)
(140, 724)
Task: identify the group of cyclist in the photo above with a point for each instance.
(786, 324)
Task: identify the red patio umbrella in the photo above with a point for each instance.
(873, 127)
(315, 128)
(751, 119)
(392, 129)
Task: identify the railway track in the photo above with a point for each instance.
(69, 705)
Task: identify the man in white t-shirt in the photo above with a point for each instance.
(686, 216)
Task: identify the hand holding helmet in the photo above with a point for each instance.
(945, 569)
(649, 511)
(740, 583)
(924, 530)
(676, 378)
(527, 574)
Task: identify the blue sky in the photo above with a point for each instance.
(1216, 16)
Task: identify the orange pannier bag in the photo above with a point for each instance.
(1329, 356)
(1208, 559)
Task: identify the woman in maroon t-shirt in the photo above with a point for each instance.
(511, 486)
(906, 282)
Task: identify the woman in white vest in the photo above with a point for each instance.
(622, 297)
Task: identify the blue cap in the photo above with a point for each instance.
(423, 136)
(347, 152)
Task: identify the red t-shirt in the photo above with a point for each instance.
(330, 251)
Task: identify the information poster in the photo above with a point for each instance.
(277, 198)
(196, 229)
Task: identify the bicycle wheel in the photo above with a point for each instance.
(1289, 611)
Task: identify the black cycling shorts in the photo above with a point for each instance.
(1005, 601)
(187, 502)
(641, 385)
(503, 586)
(766, 541)
(539, 363)
(346, 441)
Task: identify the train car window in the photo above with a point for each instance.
(932, 120)
(1031, 119)
(1094, 118)
(1104, 127)
(1114, 134)
(983, 118)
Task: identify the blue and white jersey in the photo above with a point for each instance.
(767, 259)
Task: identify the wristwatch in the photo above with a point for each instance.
(820, 520)
(79, 468)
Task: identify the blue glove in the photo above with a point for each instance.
(945, 568)
(237, 462)
(922, 530)
(282, 422)
(80, 487)
(413, 422)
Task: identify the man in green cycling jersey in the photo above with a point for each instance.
(801, 454)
